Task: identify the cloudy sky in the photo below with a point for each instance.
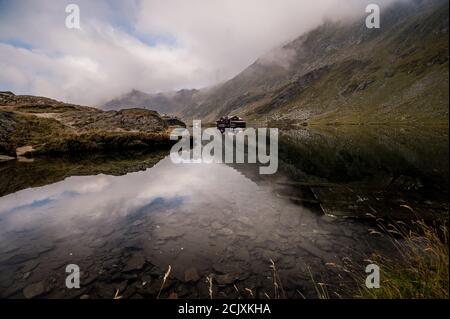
(149, 45)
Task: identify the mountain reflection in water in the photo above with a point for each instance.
(202, 219)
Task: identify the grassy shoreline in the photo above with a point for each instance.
(51, 136)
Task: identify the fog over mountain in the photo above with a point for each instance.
(152, 46)
(339, 72)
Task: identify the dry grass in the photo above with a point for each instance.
(421, 271)
(418, 270)
(278, 291)
(210, 285)
(117, 295)
(166, 275)
(320, 287)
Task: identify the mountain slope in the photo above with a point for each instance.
(50, 126)
(340, 73)
(170, 103)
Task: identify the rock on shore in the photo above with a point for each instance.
(49, 126)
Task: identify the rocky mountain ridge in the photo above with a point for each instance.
(339, 73)
(50, 126)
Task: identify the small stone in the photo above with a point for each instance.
(191, 275)
(289, 221)
(88, 277)
(168, 233)
(173, 295)
(26, 275)
(324, 244)
(34, 290)
(245, 221)
(328, 219)
(138, 222)
(347, 232)
(226, 279)
(99, 242)
(85, 297)
(246, 234)
(136, 262)
(225, 232)
(242, 254)
(222, 267)
(216, 225)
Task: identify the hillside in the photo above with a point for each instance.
(339, 73)
(169, 103)
(49, 126)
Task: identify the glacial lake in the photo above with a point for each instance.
(125, 218)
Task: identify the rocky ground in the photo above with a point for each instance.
(204, 230)
(50, 126)
(120, 260)
(339, 73)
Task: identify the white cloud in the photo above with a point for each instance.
(148, 45)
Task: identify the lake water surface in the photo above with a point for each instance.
(123, 219)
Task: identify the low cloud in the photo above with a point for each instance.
(150, 45)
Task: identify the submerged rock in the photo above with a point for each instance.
(137, 223)
(168, 233)
(216, 225)
(136, 262)
(30, 265)
(225, 232)
(191, 275)
(34, 290)
(226, 279)
(242, 254)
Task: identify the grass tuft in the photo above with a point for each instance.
(421, 271)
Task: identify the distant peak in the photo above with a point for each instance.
(7, 93)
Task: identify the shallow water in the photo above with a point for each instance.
(201, 219)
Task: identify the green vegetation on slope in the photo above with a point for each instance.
(397, 75)
(54, 127)
(339, 73)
